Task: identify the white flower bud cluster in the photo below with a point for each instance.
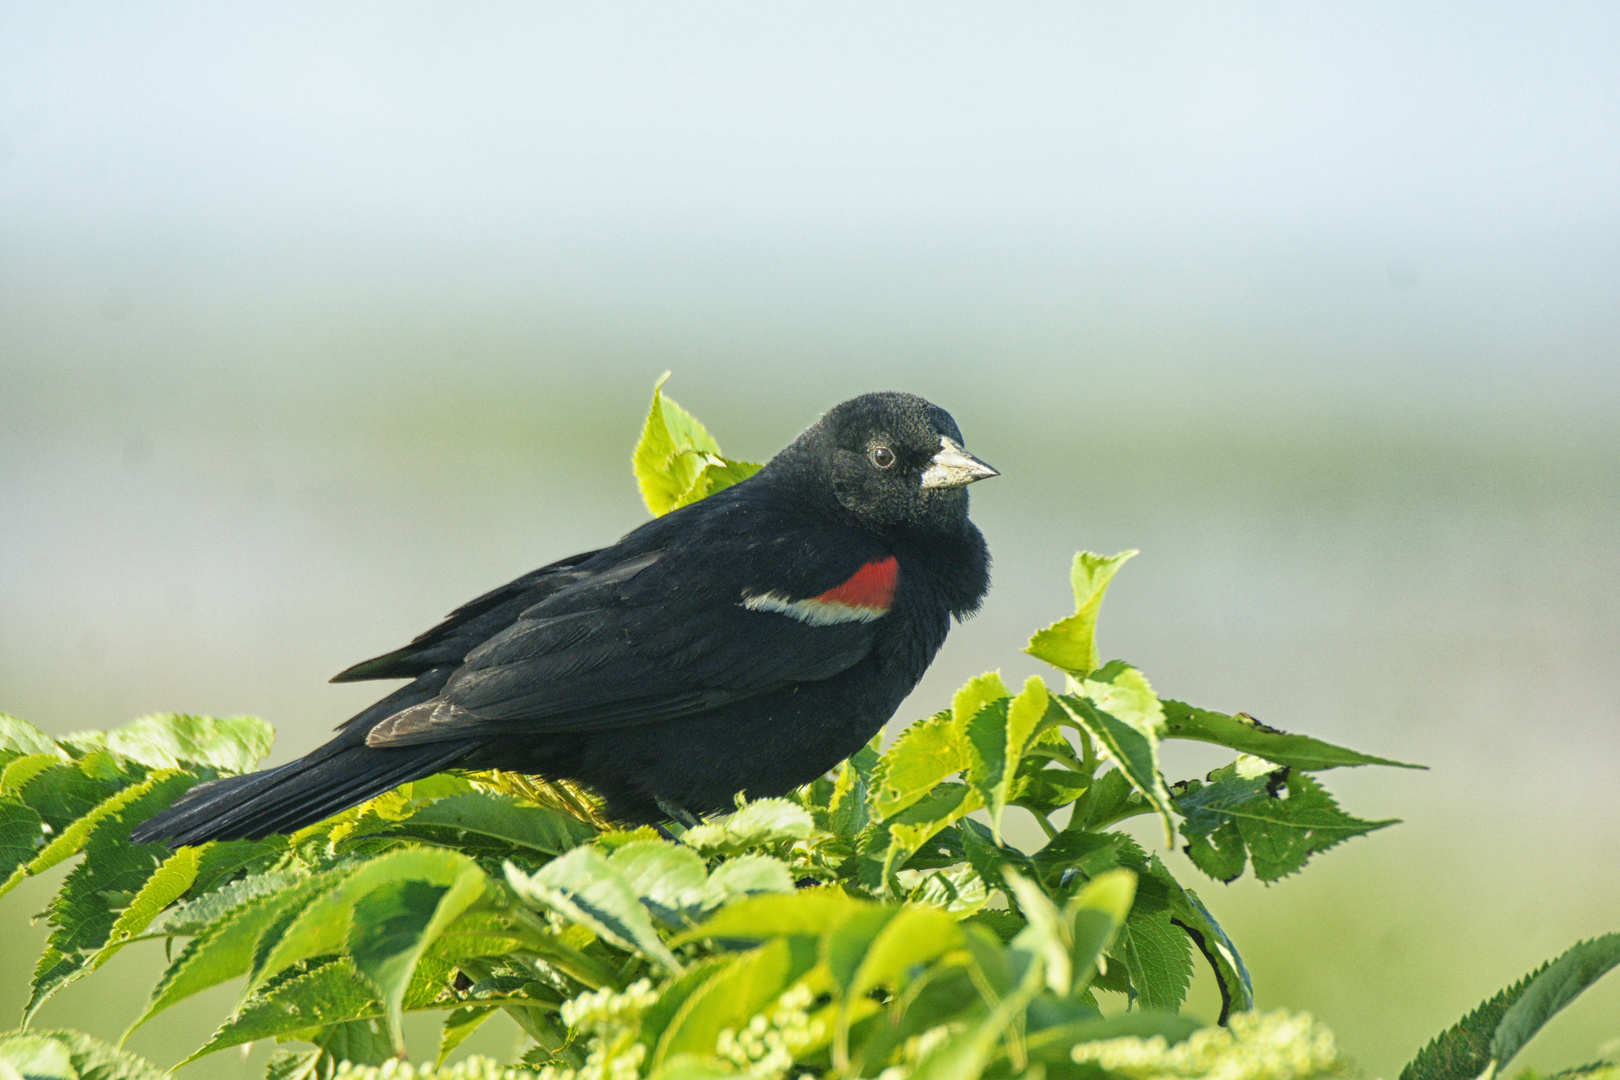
(766, 1046)
(1255, 1046)
(472, 1068)
(607, 1011)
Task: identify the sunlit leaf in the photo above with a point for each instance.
(231, 744)
(1071, 643)
(1244, 733)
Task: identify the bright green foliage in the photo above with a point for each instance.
(677, 461)
(874, 923)
(68, 1055)
(1485, 1040)
(1071, 643)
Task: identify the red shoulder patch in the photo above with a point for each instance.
(872, 586)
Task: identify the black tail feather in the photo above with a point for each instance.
(294, 795)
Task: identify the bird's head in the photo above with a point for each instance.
(890, 459)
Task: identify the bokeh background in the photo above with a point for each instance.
(318, 320)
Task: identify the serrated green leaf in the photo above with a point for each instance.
(1562, 982)
(395, 922)
(22, 834)
(199, 915)
(888, 846)
(501, 817)
(19, 770)
(746, 875)
(1124, 716)
(1219, 853)
(231, 744)
(163, 888)
(84, 911)
(668, 878)
(924, 755)
(1071, 643)
(320, 998)
(1243, 732)
(362, 1041)
(1157, 956)
(760, 823)
(677, 461)
(70, 841)
(63, 793)
(323, 926)
(582, 886)
(459, 1024)
(1281, 834)
(225, 949)
(996, 737)
(1488, 1037)
(70, 1055)
(22, 738)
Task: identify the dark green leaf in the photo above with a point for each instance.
(1244, 733)
(319, 998)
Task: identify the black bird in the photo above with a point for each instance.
(747, 642)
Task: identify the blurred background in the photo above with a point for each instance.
(317, 321)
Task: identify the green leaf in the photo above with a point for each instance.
(1188, 913)
(924, 755)
(1219, 853)
(224, 950)
(1244, 733)
(1094, 917)
(459, 1024)
(730, 997)
(1156, 954)
(1124, 715)
(746, 875)
(22, 834)
(21, 738)
(500, 817)
(997, 735)
(319, 998)
(582, 886)
(1281, 834)
(717, 474)
(887, 847)
(163, 888)
(395, 923)
(760, 823)
(668, 878)
(324, 925)
(906, 942)
(18, 771)
(677, 461)
(1562, 982)
(231, 744)
(113, 872)
(70, 1055)
(70, 841)
(1485, 1040)
(1071, 643)
(810, 912)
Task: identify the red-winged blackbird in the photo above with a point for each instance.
(747, 642)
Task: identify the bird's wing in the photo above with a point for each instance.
(643, 636)
(471, 624)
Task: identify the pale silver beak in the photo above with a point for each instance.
(954, 467)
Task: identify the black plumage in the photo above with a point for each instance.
(746, 642)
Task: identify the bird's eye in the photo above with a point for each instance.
(883, 457)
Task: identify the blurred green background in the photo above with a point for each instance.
(316, 322)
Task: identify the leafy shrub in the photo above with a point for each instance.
(875, 923)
